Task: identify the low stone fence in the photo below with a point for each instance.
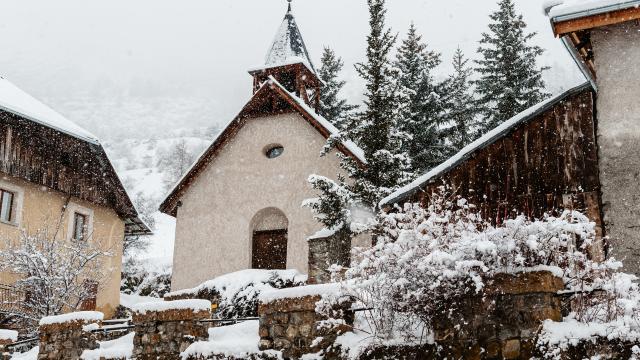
(67, 336)
(325, 251)
(504, 321)
(289, 322)
(164, 329)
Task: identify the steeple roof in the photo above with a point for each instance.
(288, 46)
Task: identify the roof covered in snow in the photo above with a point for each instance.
(288, 46)
(321, 124)
(487, 139)
(16, 101)
(562, 10)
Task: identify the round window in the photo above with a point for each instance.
(274, 151)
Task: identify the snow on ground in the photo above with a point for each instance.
(120, 348)
(237, 340)
(130, 301)
(29, 355)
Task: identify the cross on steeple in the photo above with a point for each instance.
(288, 61)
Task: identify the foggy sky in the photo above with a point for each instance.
(80, 55)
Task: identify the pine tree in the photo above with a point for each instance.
(376, 130)
(332, 107)
(420, 105)
(510, 81)
(462, 113)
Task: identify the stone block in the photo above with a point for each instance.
(511, 349)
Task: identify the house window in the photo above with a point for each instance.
(6, 206)
(79, 226)
(274, 151)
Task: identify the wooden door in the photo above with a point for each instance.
(269, 250)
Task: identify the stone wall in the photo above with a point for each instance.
(65, 340)
(164, 334)
(292, 325)
(503, 322)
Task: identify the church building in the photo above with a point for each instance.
(240, 205)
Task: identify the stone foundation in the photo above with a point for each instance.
(503, 322)
(164, 334)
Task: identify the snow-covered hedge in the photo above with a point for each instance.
(237, 293)
(426, 261)
(145, 278)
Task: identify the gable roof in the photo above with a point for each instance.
(255, 108)
(16, 101)
(487, 139)
(23, 106)
(287, 46)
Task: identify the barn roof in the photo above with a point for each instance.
(15, 101)
(487, 139)
(287, 47)
(254, 108)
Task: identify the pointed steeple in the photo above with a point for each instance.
(288, 46)
(288, 61)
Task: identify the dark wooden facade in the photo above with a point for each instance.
(546, 162)
(47, 157)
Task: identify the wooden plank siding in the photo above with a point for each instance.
(544, 165)
(61, 162)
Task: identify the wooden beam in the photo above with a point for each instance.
(596, 21)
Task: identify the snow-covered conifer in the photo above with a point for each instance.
(420, 106)
(375, 129)
(332, 106)
(461, 110)
(510, 80)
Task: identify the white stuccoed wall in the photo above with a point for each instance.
(617, 59)
(214, 223)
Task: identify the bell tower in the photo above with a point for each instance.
(288, 62)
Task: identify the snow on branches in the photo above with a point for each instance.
(426, 260)
(58, 275)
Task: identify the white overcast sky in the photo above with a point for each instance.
(163, 49)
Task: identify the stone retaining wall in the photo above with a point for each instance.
(292, 326)
(65, 340)
(164, 334)
(504, 321)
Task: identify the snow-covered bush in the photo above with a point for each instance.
(144, 278)
(54, 275)
(237, 294)
(426, 260)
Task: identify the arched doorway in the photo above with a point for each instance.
(269, 240)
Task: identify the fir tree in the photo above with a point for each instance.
(375, 130)
(420, 105)
(332, 107)
(462, 112)
(510, 81)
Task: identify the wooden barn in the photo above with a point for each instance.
(543, 160)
